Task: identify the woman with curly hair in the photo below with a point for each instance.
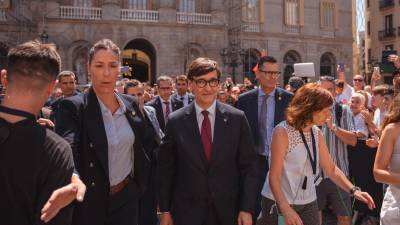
(387, 164)
(298, 150)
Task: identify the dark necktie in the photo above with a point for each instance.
(262, 126)
(206, 135)
(183, 100)
(166, 111)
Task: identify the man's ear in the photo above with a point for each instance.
(50, 87)
(4, 77)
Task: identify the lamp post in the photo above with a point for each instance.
(44, 36)
(233, 56)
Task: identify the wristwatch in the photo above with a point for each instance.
(354, 189)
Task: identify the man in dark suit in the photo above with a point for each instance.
(181, 85)
(207, 161)
(163, 104)
(264, 107)
(67, 83)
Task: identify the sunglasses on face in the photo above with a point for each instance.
(358, 80)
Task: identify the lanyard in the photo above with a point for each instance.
(17, 112)
(313, 161)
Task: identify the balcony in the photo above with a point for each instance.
(193, 18)
(387, 34)
(3, 15)
(139, 15)
(72, 12)
(292, 29)
(386, 4)
(251, 27)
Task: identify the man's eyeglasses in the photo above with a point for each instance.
(202, 83)
(358, 80)
(271, 73)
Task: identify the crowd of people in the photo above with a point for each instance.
(191, 149)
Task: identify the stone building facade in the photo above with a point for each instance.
(162, 36)
(382, 35)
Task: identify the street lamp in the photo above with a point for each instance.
(233, 56)
(44, 37)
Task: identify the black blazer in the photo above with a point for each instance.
(188, 183)
(248, 103)
(156, 104)
(80, 122)
(175, 97)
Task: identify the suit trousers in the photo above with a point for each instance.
(123, 207)
(148, 202)
(263, 168)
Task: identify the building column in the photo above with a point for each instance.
(218, 14)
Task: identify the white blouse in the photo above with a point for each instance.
(296, 166)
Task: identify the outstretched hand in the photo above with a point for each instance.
(63, 197)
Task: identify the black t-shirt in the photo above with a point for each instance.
(34, 161)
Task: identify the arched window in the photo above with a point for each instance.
(290, 58)
(188, 6)
(327, 65)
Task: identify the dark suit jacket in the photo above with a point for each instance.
(248, 103)
(188, 183)
(80, 122)
(157, 105)
(175, 97)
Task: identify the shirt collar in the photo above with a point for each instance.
(211, 109)
(262, 94)
(180, 96)
(121, 110)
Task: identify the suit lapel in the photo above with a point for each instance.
(160, 112)
(254, 105)
(96, 129)
(220, 126)
(192, 128)
(134, 118)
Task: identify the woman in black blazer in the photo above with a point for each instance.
(105, 130)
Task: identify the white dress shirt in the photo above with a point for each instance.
(211, 116)
(120, 139)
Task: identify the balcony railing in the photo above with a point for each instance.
(72, 12)
(251, 27)
(193, 18)
(3, 15)
(292, 29)
(386, 3)
(139, 15)
(387, 34)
